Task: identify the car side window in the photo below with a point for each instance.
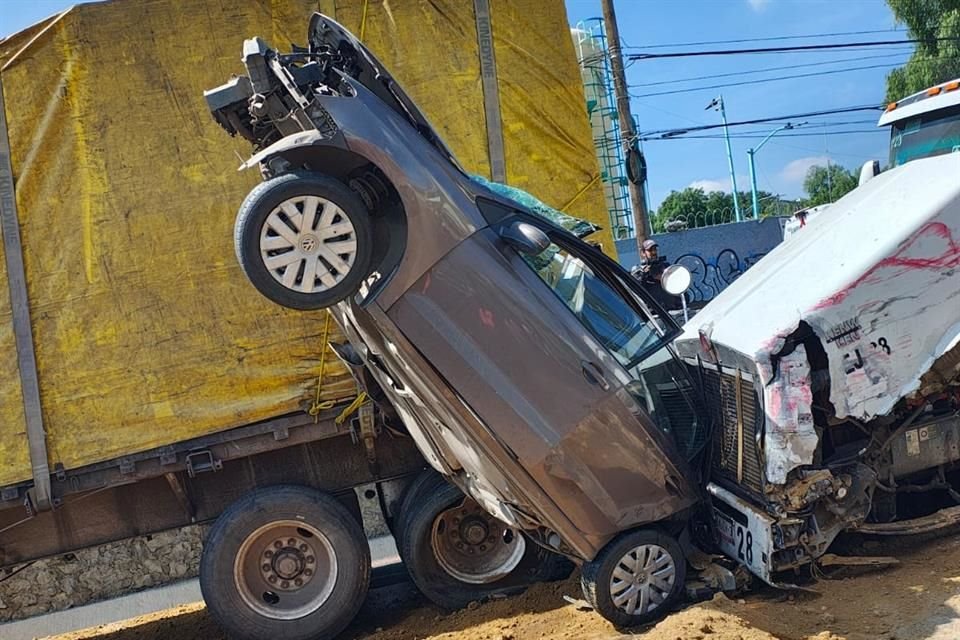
(627, 334)
(631, 331)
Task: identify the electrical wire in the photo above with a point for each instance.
(767, 70)
(795, 116)
(766, 39)
(797, 48)
(757, 136)
(764, 80)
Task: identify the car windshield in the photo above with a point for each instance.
(628, 335)
(930, 134)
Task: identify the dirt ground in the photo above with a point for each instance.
(917, 600)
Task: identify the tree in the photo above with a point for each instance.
(824, 185)
(932, 62)
(693, 207)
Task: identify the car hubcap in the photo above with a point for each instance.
(308, 244)
(643, 579)
(473, 546)
(285, 570)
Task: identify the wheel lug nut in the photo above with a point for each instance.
(310, 559)
(303, 547)
(272, 579)
(285, 584)
(483, 547)
(308, 572)
(277, 545)
(298, 582)
(266, 567)
(291, 542)
(268, 553)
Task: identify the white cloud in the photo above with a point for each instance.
(796, 171)
(721, 184)
(758, 5)
(711, 185)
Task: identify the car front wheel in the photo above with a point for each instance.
(304, 240)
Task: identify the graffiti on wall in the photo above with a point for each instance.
(712, 274)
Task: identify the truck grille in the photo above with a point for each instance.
(736, 452)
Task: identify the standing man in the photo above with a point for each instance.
(650, 270)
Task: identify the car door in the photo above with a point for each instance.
(501, 330)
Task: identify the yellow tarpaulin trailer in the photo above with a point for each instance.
(144, 329)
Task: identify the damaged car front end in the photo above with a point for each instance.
(832, 369)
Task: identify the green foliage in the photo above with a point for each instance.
(825, 185)
(693, 207)
(932, 62)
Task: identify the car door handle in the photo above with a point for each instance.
(593, 374)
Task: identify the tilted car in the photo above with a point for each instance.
(531, 369)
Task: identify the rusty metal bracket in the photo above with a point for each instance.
(364, 429)
(22, 328)
(202, 461)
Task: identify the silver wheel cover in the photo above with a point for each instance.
(308, 244)
(285, 570)
(642, 579)
(473, 546)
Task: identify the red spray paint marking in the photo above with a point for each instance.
(950, 259)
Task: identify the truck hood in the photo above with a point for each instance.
(882, 262)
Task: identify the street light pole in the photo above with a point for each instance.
(753, 169)
(718, 104)
(637, 199)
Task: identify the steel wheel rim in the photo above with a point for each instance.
(473, 546)
(285, 570)
(308, 244)
(643, 579)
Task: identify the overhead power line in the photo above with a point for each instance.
(667, 133)
(737, 74)
(763, 80)
(795, 48)
(766, 39)
(756, 136)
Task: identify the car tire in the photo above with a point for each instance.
(304, 240)
(310, 587)
(637, 578)
(451, 579)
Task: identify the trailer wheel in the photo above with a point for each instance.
(304, 240)
(286, 563)
(636, 578)
(456, 553)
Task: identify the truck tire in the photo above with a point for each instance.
(423, 485)
(285, 563)
(637, 578)
(304, 240)
(453, 565)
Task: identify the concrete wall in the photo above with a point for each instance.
(716, 255)
(98, 573)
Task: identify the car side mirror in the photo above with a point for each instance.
(869, 171)
(675, 280)
(525, 238)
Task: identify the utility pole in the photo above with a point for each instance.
(717, 104)
(637, 200)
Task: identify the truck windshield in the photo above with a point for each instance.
(930, 134)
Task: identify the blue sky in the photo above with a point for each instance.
(675, 164)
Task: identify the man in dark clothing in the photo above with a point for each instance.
(649, 272)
